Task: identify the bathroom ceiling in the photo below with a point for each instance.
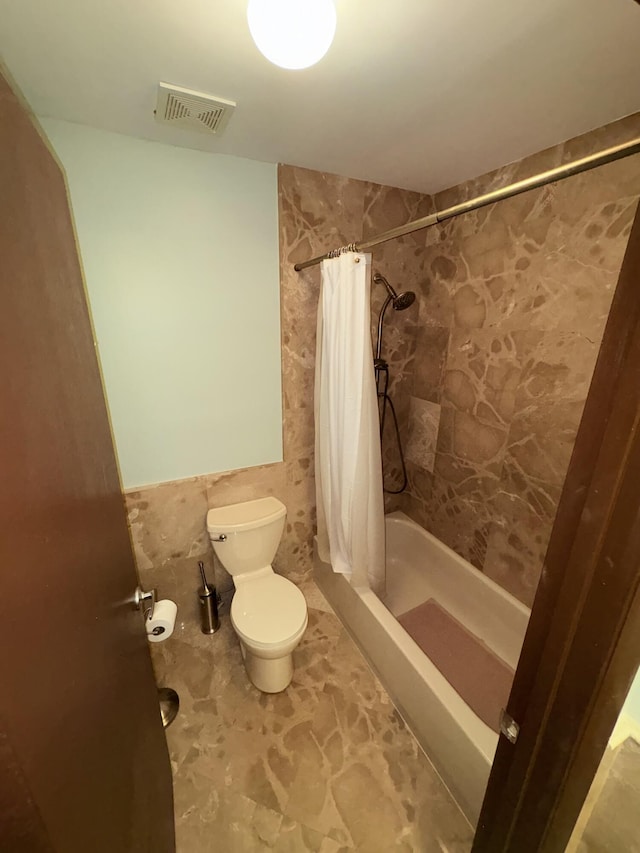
(414, 93)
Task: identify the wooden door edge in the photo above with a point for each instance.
(607, 703)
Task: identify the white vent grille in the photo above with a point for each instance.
(192, 110)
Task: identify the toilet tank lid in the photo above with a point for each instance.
(245, 515)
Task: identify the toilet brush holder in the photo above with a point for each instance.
(209, 619)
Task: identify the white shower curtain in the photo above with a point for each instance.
(348, 461)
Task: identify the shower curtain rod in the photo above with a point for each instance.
(608, 155)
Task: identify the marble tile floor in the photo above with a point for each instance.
(326, 766)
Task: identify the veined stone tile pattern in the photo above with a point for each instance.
(384, 208)
(318, 212)
(168, 530)
(327, 765)
(512, 310)
(423, 435)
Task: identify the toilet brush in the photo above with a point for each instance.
(210, 621)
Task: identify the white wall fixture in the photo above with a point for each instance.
(192, 110)
(293, 34)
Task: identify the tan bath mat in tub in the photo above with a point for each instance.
(481, 678)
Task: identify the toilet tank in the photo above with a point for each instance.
(252, 531)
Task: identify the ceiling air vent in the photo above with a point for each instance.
(192, 110)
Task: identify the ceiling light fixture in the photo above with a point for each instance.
(292, 33)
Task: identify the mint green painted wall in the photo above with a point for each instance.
(180, 252)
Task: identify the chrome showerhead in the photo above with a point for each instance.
(400, 300)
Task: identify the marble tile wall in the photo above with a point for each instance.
(512, 309)
(167, 525)
(317, 212)
(400, 261)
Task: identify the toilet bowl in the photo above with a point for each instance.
(268, 612)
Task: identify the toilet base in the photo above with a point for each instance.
(269, 676)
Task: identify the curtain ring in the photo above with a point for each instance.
(350, 247)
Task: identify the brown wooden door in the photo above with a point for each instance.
(83, 757)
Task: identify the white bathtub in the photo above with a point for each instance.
(419, 567)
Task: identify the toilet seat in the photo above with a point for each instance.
(268, 611)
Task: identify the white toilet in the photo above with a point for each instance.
(268, 612)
